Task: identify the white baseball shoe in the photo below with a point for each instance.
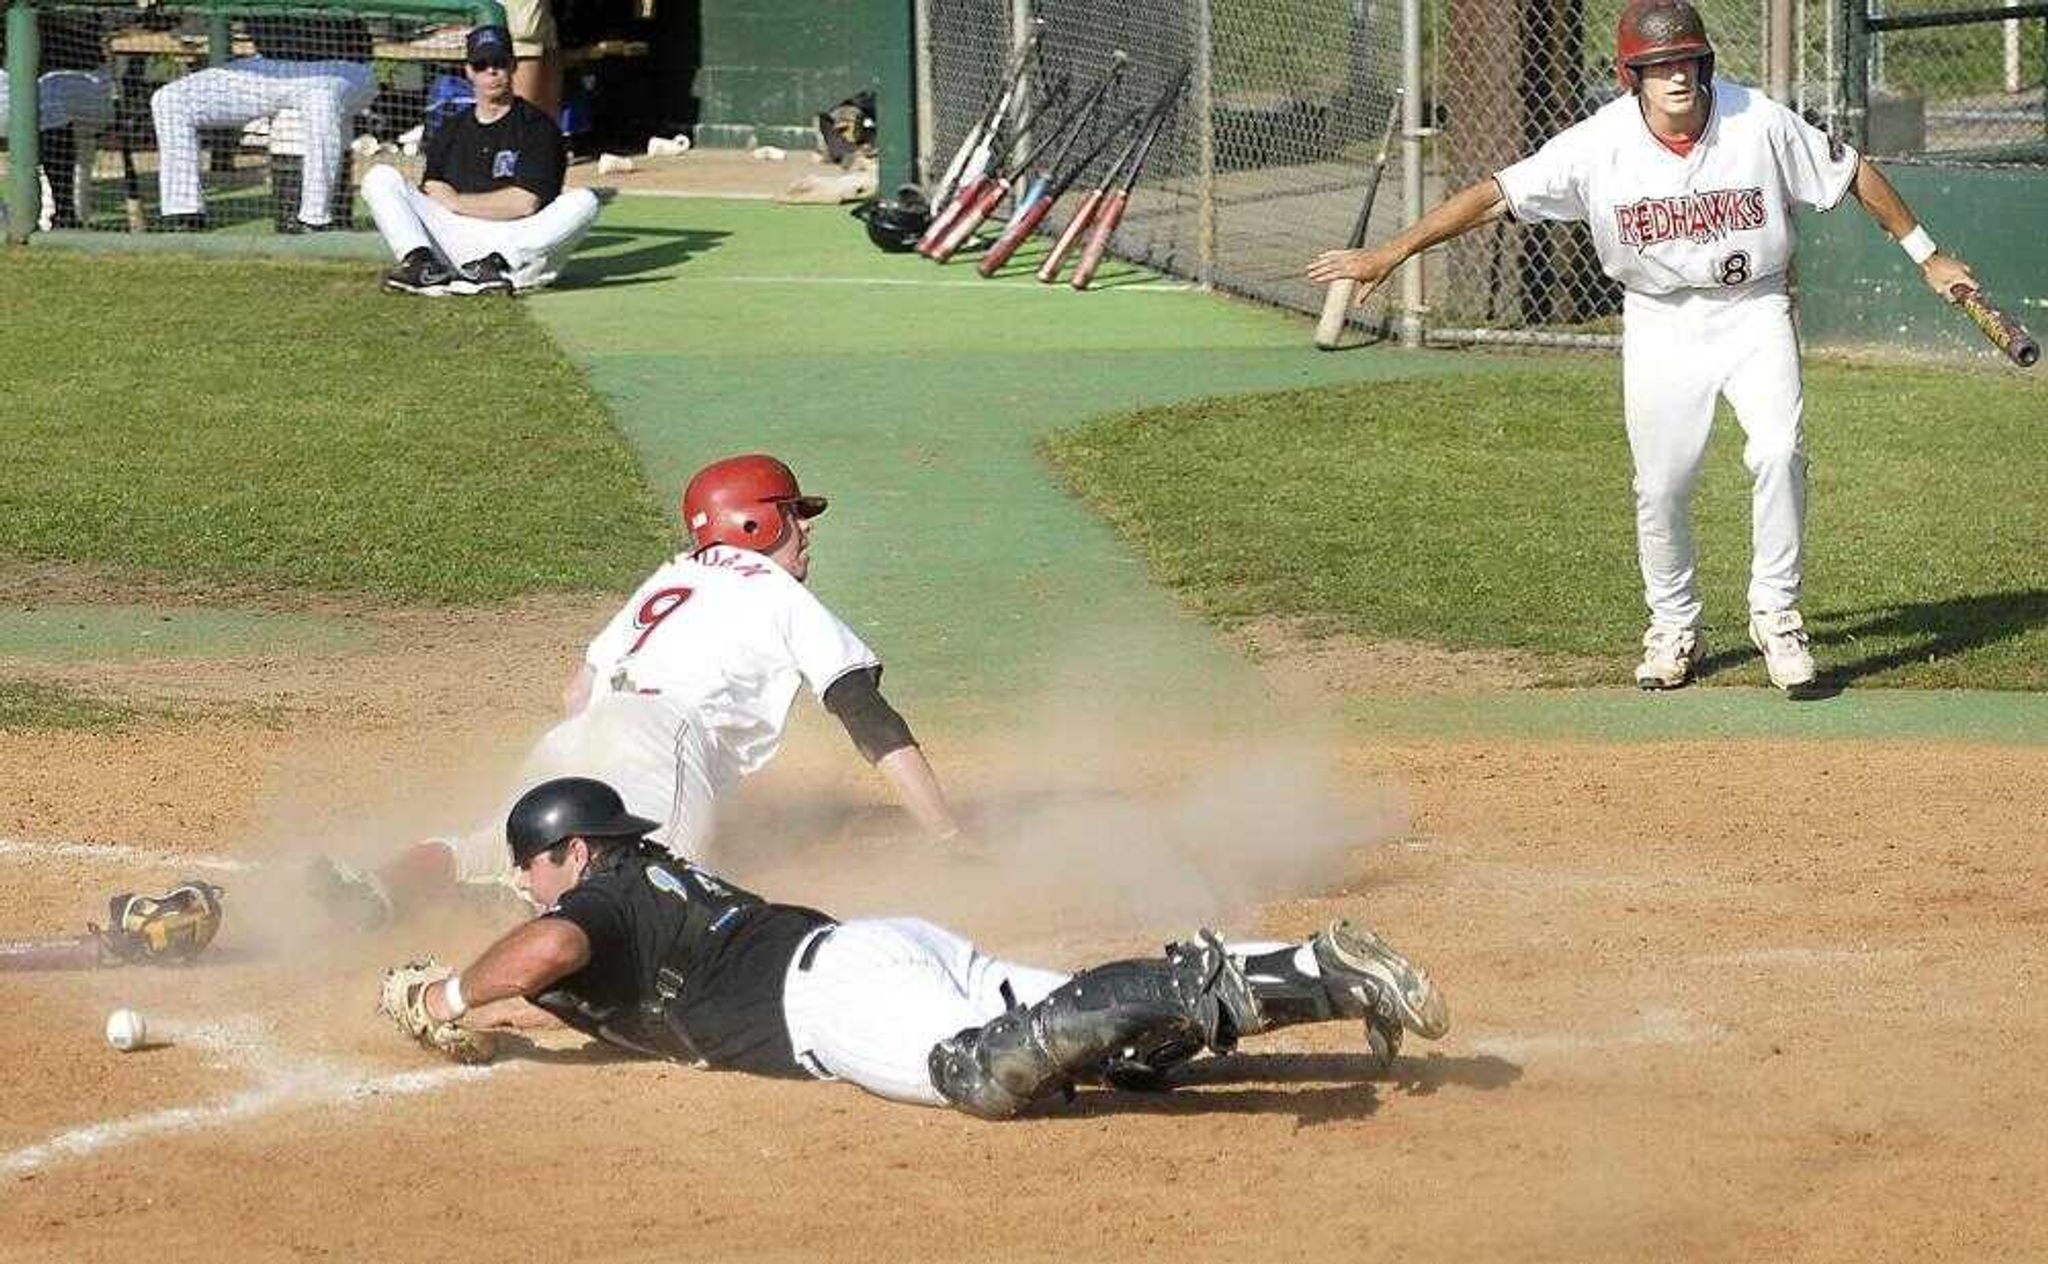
(1781, 635)
(1669, 656)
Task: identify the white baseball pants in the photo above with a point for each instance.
(656, 759)
(877, 994)
(325, 95)
(536, 247)
(1679, 352)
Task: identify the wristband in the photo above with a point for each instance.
(1919, 247)
(451, 996)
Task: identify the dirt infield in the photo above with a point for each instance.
(1736, 1000)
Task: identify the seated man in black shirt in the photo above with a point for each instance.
(490, 215)
(649, 953)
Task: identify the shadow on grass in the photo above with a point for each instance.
(1914, 632)
(652, 250)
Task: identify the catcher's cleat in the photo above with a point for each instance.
(1669, 656)
(1781, 635)
(352, 897)
(1368, 979)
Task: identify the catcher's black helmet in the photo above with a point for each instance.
(569, 807)
(896, 223)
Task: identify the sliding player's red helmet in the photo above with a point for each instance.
(747, 502)
(1652, 32)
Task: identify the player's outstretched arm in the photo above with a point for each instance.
(524, 961)
(917, 788)
(1942, 272)
(1463, 211)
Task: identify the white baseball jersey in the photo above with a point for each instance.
(1717, 217)
(724, 638)
(695, 678)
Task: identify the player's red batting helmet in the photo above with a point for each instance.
(1652, 32)
(747, 502)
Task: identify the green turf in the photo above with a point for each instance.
(287, 425)
(915, 394)
(25, 706)
(1699, 715)
(61, 633)
(1495, 513)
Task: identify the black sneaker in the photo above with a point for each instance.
(193, 223)
(294, 226)
(488, 275)
(419, 273)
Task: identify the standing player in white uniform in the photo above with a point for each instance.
(651, 954)
(687, 689)
(1688, 185)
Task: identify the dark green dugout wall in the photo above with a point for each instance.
(768, 67)
(1856, 286)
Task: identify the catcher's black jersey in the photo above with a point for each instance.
(682, 964)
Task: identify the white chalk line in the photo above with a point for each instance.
(1140, 287)
(240, 1043)
(1657, 1027)
(121, 853)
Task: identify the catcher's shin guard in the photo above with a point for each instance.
(1196, 997)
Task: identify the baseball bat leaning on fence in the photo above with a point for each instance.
(1337, 299)
(971, 162)
(1039, 200)
(994, 191)
(988, 181)
(1110, 211)
(1084, 214)
(2005, 333)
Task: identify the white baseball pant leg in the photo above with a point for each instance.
(315, 126)
(219, 96)
(656, 758)
(1679, 352)
(535, 247)
(877, 994)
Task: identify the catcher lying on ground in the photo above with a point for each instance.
(654, 955)
(141, 930)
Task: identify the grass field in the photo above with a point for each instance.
(275, 425)
(1482, 513)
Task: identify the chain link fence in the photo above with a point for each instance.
(216, 114)
(1262, 165)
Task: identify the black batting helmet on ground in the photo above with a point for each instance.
(565, 808)
(896, 223)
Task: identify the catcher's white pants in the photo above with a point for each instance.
(1679, 352)
(324, 95)
(879, 993)
(82, 100)
(536, 247)
(652, 754)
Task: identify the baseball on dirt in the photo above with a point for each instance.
(126, 1030)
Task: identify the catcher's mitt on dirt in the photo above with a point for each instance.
(175, 926)
(404, 1001)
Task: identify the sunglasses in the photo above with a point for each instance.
(494, 63)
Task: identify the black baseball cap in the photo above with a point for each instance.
(489, 46)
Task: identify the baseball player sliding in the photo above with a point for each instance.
(688, 689)
(654, 955)
(1687, 183)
